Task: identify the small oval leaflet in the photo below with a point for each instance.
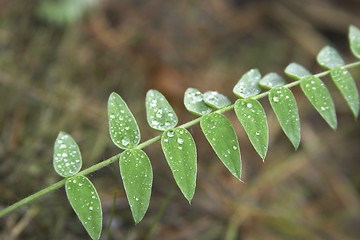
(85, 201)
(329, 58)
(137, 176)
(296, 71)
(248, 85)
(180, 152)
(222, 137)
(124, 131)
(160, 115)
(318, 95)
(216, 100)
(253, 118)
(354, 39)
(284, 105)
(271, 80)
(347, 86)
(194, 102)
(67, 157)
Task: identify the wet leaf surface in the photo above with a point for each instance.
(85, 201)
(271, 80)
(222, 137)
(137, 176)
(160, 115)
(284, 105)
(180, 152)
(329, 58)
(248, 85)
(194, 102)
(253, 118)
(318, 95)
(296, 71)
(124, 131)
(347, 86)
(216, 100)
(67, 157)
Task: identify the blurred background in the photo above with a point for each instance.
(60, 60)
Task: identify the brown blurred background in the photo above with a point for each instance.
(59, 62)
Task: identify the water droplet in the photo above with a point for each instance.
(170, 133)
(180, 141)
(276, 99)
(125, 141)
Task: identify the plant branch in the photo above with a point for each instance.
(114, 158)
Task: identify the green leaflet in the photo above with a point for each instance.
(253, 118)
(329, 58)
(222, 137)
(284, 105)
(194, 102)
(271, 80)
(216, 100)
(346, 85)
(296, 71)
(180, 153)
(137, 176)
(160, 115)
(67, 157)
(248, 85)
(318, 95)
(354, 39)
(124, 131)
(85, 201)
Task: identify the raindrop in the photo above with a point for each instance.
(125, 142)
(170, 134)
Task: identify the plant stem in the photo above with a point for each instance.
(114, 158)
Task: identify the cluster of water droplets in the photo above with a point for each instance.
(194, 102)
(123, 127)
(160, 114)
(67, 158)
(248, 85)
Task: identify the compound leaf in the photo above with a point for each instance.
(222, 137)
(216, 100)
(85, 201)
(180, 152)
(160, 115)
(271, 80)
(194, 102)
(67, 157)
(346, 85)
(329, 58)
(253, 118)
(296, 71)
(354, 39)
(124, 131)
(318, 95)
(137, 176)
(284, 105)
(248, 85)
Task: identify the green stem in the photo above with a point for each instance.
(114, 158)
